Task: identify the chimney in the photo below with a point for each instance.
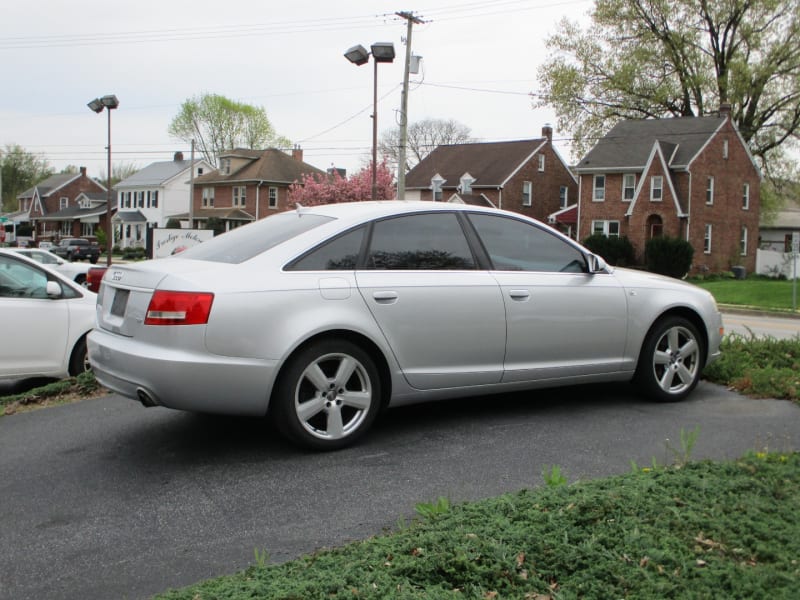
(725, 110)
(547, 131)
(178, 156)
(297, 153)
(83, 171)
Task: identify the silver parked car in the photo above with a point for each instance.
(322, 316)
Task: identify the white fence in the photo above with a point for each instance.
(773, 263)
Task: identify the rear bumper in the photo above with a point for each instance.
(192, 381)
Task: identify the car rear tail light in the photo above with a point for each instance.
(179, 308)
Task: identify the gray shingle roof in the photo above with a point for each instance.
(628, 144)
(490, 163)
(155, 174)
(49, 185)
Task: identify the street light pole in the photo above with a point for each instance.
(108, 102)
(358, 55)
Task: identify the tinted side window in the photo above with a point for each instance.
(339, 254)
(420, 242)
(518, 246)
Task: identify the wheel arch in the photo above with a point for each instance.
(690, 315)
(353, 337)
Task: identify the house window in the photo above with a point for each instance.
(527, 188)
(541, 162)
(746, 196)
(87, 229)
(199, 171)
(656, 188)
(710, 191)
(436, 187)
(225, 166)
(628, 187)
(155, 198)
(128, 199)
(743, 242)
(563, 199)
(63, 202)
(141, 198)
(707, 240)
(208, 196)
(66, 227)
(466, 184)
(273, 197)
(599, 188)
(725, 149)
(606, 228)
(239, 195)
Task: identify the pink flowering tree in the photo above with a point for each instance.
(331, 189)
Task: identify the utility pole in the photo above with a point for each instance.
(401, 163)
(191, 188)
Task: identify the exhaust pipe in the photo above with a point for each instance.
(145, 398)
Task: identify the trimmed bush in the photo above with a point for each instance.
(668, 256)
(616, 251)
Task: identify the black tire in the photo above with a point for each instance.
(81, 279)
(79, 360)
(672, 360)
(328, 396)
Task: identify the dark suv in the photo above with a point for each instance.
(77, 249)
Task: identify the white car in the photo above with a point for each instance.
(73, 270)
(45, 320)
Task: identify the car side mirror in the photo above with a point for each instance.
(53, 289)
(597, 264)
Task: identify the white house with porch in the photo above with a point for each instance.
(149, 197)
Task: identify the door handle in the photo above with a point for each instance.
(519, 294)
(385, 297)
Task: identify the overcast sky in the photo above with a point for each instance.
(479, 67)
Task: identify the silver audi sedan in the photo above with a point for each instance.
(321, 317)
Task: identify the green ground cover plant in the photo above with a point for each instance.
(756, 292)
(699, 530)
(761, 367)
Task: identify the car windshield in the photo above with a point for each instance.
(250, 240)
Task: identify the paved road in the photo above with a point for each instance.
(106, 499)
(761, 325)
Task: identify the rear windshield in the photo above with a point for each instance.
(245, 242)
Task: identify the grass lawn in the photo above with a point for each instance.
(757, 292)
(695, 530)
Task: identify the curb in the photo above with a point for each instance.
(758, 312)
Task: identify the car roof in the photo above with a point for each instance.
(384, 207)
(36, 263)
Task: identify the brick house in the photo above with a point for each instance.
(248, 185)
(687, 177)
(524, 176)
(64, 205)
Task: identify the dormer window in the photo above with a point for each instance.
(466, 183)
(436, 187)
(225, 166)
(85, 203)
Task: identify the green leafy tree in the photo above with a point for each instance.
(19, 170)
(658, 58)
(217, 124)
(421, 139)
